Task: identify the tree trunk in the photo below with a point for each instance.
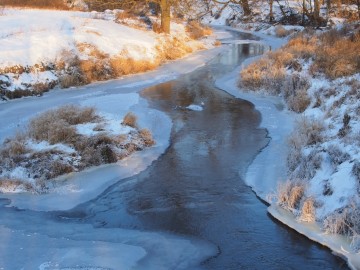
(246, 8)
(271, 14)
(303, 12)
(165, 16)
(317, 12)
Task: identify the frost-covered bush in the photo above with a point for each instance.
(307, 165)
(307, 132)
(337, 156)
(295, 92)
(356, 170)
(346, 127)
(345, 221)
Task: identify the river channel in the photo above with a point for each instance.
(196, 188)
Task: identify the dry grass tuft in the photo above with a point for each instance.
(268, 72)
(280, 31)
(290, 194)
(55, 126)
(308, 210)
(172, 48)
(146, 135)
(196, 30)
(123, 65)
(11, 185)
(46, 4)
(130, 119)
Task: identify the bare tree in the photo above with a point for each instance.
(243, 3)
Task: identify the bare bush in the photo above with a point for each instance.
(130, 119)
(307, 165)
(306, 132)
(281, 32)
(337, 156)
(338, 55)
(346, 127)
(15, 147)
(69, 80)
(299, 101)
(356, 170)
(58, 168)
(96, 150)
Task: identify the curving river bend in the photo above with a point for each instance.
(195, 189)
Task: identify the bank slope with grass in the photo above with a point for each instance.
(42, 49)
(66, 140)
(317, 75)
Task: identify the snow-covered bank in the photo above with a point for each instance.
(41, 49)
(328, 172)
(339, 245)
(83, 186)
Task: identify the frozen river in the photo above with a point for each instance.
(192, 201)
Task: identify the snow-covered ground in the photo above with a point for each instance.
(41, 49)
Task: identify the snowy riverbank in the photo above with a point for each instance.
(269, 167)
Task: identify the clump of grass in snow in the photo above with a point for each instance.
(59, 126)
(130, 119)
(335, 53)
(290, 193)
(196, 30)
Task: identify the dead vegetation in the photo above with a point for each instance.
(290, 193)
(196, 30)
(335, 54)
(46, 4)
(59, 127)
(345, 221)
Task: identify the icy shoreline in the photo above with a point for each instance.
(337, 243)
(271, 162)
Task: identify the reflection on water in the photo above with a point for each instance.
(196, 189)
